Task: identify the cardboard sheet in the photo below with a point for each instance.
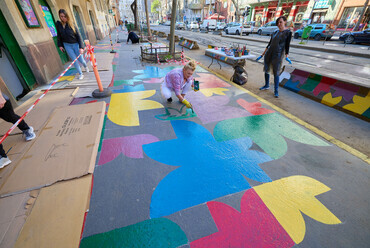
(13, 215)
(57, 217)
(41, 112)
(15, 146)
(66, 148)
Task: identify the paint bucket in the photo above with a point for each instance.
(196, 85)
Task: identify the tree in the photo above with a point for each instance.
(156, 4)
(147, 19)
(133, 7)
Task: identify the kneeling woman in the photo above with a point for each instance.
(180, 81)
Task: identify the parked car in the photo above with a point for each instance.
(167, 23)
(268, 28)
(193, 25)
(250, 27)
(237, 28)
(360, 36)
(180, 25)
(319, 31)
(220, 26)
(209, 24)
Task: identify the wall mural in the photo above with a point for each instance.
(210, 153)
(343, 96)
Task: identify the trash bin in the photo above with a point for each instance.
(306, 32)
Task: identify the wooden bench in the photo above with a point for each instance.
(162, 34)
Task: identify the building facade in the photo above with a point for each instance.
(29, 54)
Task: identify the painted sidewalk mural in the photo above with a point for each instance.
(233, 173)
(329, 91)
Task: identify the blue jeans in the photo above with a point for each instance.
(73, 50)
(276, 82)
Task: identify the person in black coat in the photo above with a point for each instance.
(133, 37)
(69, 40)
(274, 53)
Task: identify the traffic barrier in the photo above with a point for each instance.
(111, 43)
(344, 96)
(190, 44)
(37, 101)
(101, 92)
(162, 34)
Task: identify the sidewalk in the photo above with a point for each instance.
(165, 176)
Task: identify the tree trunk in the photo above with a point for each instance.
(237, 16)
(147, 19)
(134, 11)
(172, 29)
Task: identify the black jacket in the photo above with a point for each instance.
(133, 37)
(67, 35)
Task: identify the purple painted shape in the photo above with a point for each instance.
(300, 79)
(347, 91)
(130, 146)
(254, 226)
(154, 81)
(218, 112)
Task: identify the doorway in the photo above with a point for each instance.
(93, 24)
(79, 23)
(14, 68)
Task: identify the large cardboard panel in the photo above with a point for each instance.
(57, 217)
(66, 148)
(41, 112)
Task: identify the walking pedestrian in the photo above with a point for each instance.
(180, 81)
(69, 40)
(274, 53)
(7, 114)
(133, 37)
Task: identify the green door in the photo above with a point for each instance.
(50, 21)
(20, 61)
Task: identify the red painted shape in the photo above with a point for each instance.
(112, 81)
(92, 101)
(255, 108)
(254, 226)
(324, 85)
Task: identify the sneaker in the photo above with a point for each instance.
(4, 161)
(87, 69)
(169, 99)
(276, 94)
(81, 76)
(265, 87)
(29, 134)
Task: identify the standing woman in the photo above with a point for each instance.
(274, 53)
(70, 40)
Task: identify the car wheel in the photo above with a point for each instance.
(317, 37)
(227, 32)
(237, 32)
(296, 36)
(349, 39)
(259, 32)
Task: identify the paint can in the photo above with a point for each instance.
(196, 85)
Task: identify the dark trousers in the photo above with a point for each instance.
(135, 41)
(7, 114)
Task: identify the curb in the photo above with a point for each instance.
(322, 49)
